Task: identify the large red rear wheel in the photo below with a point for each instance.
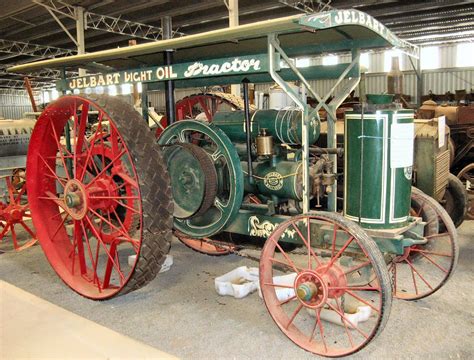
(99, 195)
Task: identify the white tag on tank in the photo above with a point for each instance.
(401, 145)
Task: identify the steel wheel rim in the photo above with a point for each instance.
(91, 265)
(467, 174)
(424, 269)
(316, 338)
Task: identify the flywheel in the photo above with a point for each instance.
(201, 212)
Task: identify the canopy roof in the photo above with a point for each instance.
(300, 35)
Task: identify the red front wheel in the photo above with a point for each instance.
(99, 195)
(332, 295)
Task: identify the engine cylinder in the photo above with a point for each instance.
(283, 125)
(283, 179)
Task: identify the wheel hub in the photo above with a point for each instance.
(311, 289)
(75, 198)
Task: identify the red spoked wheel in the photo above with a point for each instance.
(209, 246)
(332, 295)
(15, 215)
(204, 105)
(424, 269)
(466, 175)
(100, 199)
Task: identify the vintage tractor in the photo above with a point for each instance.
(103, 195)
(14, 209)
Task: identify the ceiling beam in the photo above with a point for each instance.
(18, 48)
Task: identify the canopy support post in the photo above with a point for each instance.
(274, 50)
(168, 61)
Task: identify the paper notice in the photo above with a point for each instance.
(441, 131)
(401, 145)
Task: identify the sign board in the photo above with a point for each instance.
(334, 18)
(401, 145)
(191, 70)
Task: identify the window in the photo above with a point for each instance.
(54, 94)
(364, 61)
(139, 87)
(429, 57)
(465, 55)
(303, 62)
(388, 59)
(330, 60)
(112, 90)
(46, 97)
(126, 89)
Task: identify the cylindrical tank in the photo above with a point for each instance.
(283, 179)
(15, 136)
(283, 125)
(378, 159)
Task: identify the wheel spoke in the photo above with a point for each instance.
(94, 262)
(285, 256)
(27, 228)
(53, 173)
(99, 239)
(416, 271)
(292, 266)
(278, 285)
(310, 250)
(434, 263)
(14, 238)
(60, 150)
(293, 316)
(106, 168)
(126, 235)
(431, 252)
(339, 253)
(287, 300)
(349, 335)
(357, 267)
(344, 318)
(362, 300)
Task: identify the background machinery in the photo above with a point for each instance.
(101, 194)
(14, 209)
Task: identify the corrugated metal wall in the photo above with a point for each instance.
(14, 103)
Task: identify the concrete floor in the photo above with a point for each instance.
(181, 314)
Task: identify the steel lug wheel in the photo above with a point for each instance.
(424, 269)
(96, 201)
(332, 295)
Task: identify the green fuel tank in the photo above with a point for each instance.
(283, 125)
(378, 167)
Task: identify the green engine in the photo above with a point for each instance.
(211, 176)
